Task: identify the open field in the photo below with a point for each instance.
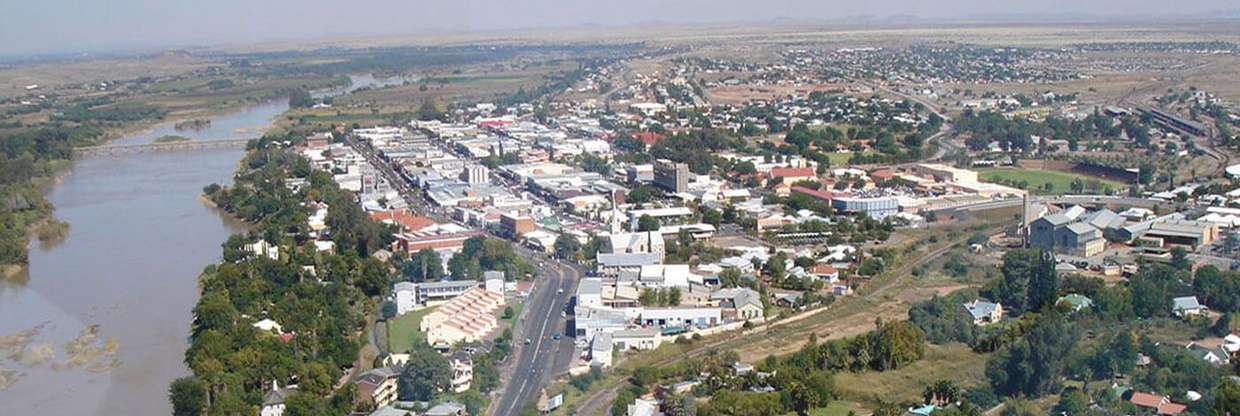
(1061, 182)
(955, 362)
(403, 332)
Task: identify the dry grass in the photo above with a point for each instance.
(955, 362)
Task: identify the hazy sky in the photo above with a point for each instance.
(40, 26)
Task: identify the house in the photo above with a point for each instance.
(600, 350)
(1186, 306)
(643, 407)
(825, 272)
(1160, 405)
(447, 409)
(744, 302)
(273, 400)
(262, 248)
(462, 371)
(1076, 302)
(983, 312)
(377, 387)
(1216, 356)
(1231, 343)
(637, 339)
(740, 369)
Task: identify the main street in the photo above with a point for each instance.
(543, 357)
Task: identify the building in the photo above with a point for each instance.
(449, 241)
(788, 176)
(262, 248)
(462, 371)
(473, 174)
(600, 350)
(612, 264)
(684, 317)
(590, 292)
(983, 312)
(405, 296)
(640, 173)
(1159, 405)
(1183, 232)
(875, 207)
(1060, 233)
(466, 318)
(515, 226)
(637, 339)
(742, 303)
(447, 409)
(441, 291)
(590, 321)
(377, 387)
(638, 242)
(1187, 306)
(671, 176)
(273, 400)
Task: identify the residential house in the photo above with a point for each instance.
(378, 386)
(1187, 306)
(447, 409)
(273, 400)
(983, 312)
(462, 371)
(1160, 405)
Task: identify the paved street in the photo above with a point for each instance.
(544, 357)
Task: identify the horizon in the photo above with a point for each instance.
(50, 32)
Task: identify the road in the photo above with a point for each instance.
(945, 147)
(544, 357)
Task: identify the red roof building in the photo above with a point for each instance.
(647, 137)
(821, 195)
(1160, 404)
(404, 218)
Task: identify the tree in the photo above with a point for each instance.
(425, 265)
(567, 246)
(1033, 365)
(299, 98)
(1029, 281)
(647, 223)
(712, 216)
(1179, 258)
(188, 396)
(673, 296)
(897, 343)
(425, 375)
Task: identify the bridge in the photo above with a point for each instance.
(187, 145)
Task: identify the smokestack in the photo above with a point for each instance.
(1024, 220)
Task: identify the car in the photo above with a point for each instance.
(555, 336)
(561, 291)
(527, 341)
(563, 314)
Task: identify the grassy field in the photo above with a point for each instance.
(1061, 182)
(951, 362)
(835, 408)
(403, 332)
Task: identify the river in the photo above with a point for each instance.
(101, 320)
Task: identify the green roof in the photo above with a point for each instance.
(1077, 302)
